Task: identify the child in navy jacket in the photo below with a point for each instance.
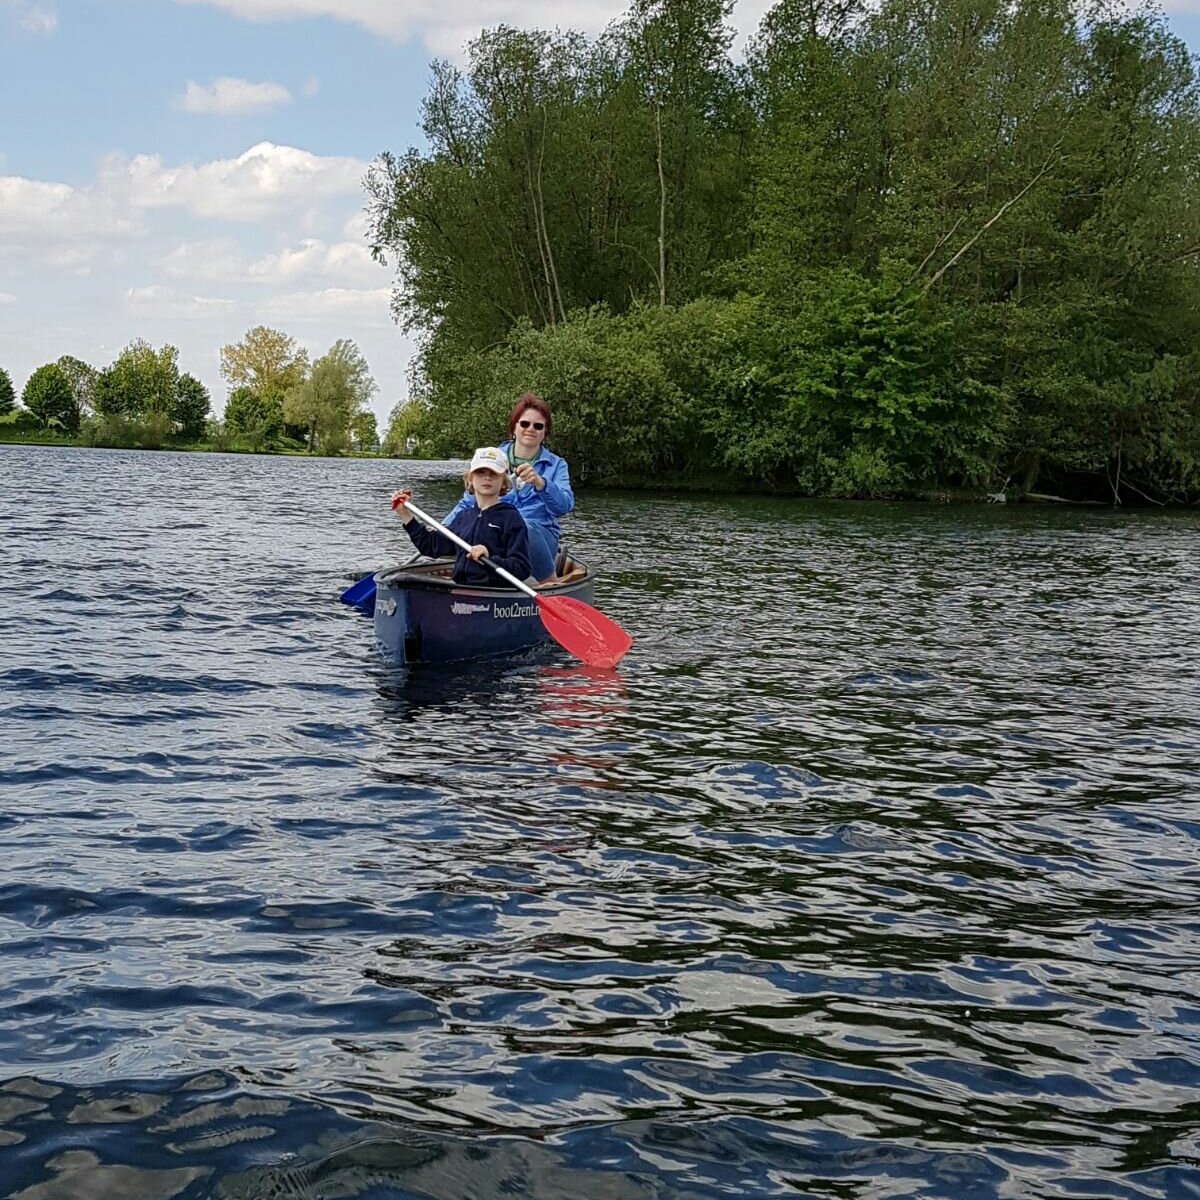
(496, 531)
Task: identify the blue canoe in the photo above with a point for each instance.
(423, 616)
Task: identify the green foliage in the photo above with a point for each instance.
(153, 430)
(331, 398)
(562, 173)
(405, 429)
(82, 377)
(860, 395)
(906, 246)
(8, 397)
(17, 423)
(220, 436)
(266, 361)
(190, 410)
(254, 419)
(851, 392)
(364, 433)
(141, 381)
(110, 429)
(49, 397)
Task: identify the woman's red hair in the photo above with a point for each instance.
(529, 400)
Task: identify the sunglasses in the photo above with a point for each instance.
(532, 424)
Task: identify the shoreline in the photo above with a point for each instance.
(664, 485)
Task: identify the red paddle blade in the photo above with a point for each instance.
(585, 632)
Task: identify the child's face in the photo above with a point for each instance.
(486, 483)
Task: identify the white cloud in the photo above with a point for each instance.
(32, 18)
(75, 259)
(368, 306)
(264, 179)
(355, 228)
(213, 259)
(158, 265)
(445, 25)
(163, 301)
(311, 86)
(33, 208)
(260, 183)
(233, 97)
(347, 264)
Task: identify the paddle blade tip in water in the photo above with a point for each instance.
(586, 632)
(361, 595)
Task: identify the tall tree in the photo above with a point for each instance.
(190, 412)
(82, 378)
(8, 397)
(265, 360)
(49, 397)
(257, 419)
(335, 392)
(678, 57)
(404, 421)
(364, 433)
(141, 382)
(936, 240)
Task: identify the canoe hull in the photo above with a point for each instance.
(422, 616)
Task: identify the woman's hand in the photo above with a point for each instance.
(477, 552)
(400, 498)
(527, 474)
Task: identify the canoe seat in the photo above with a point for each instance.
(574, 571)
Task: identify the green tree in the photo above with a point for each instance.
(49, 397)
(679, 69)
(190, 411)
(82, 378)
(8, 397)
(326, 403)
(364, 433)
(141, 381)
(404, 423)
(265, 360)
(257, 420)
(909, 244)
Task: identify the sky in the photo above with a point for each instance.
(183, 170)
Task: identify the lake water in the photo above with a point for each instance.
(873, 872)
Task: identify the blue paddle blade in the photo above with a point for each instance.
(361, 595)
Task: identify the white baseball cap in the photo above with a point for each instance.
(488, 458)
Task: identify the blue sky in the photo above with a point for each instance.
(181, 170)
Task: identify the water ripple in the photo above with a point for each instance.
(872, 873)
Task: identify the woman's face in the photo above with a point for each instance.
(530, 431)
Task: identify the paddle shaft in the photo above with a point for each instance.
(428, 520)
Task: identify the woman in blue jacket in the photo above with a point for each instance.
(541, 482)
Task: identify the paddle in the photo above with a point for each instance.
(361, 595)
(576, 627)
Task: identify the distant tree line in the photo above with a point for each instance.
(905, 245)
(143, 394)
(277, 395)
(142, 399)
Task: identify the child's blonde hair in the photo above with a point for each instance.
(505, 482)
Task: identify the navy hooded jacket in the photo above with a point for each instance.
(499, 528)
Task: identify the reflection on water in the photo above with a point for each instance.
(872, 871)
